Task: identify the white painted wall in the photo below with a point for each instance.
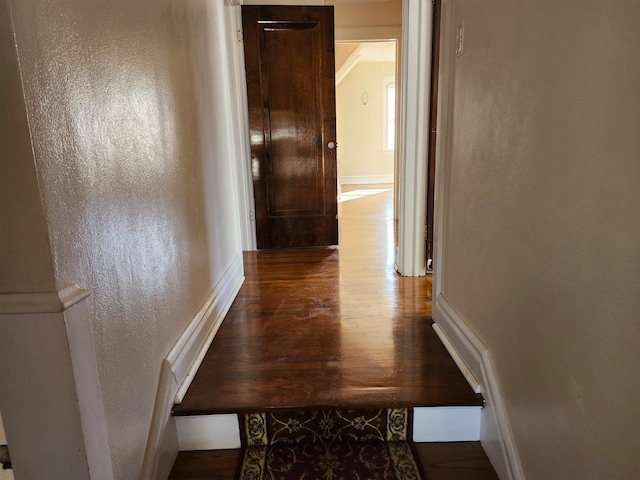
(132, 166)
(539, 237)
(361, 156)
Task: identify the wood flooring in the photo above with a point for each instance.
(325, 327)
(332, 327)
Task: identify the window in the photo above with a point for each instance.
(389, 114)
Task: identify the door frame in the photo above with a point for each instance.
(235, 51)
(417, 26)
(371, 35)
(414, 38)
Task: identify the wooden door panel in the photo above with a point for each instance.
(290, 85)
(293, 115)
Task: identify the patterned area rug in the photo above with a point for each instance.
(329, 445)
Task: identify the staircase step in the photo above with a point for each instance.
(430, 424)
(311, 328)
(439, 461)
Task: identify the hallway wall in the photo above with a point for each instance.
(128, 113)
(360, 127)
(540, 251)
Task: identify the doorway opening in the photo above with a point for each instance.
(366, 112)
(413, 79)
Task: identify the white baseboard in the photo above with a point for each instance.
(366, 180)
(179, 368)
(462, 366)
(465, 346)
(187, 354)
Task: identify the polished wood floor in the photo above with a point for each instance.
(328, 327)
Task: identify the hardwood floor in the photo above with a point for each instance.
(330, 327)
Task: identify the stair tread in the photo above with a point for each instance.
(440, 461)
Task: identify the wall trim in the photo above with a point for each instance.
(187, 354)
(462, 366)
(64, 404)
(162, 442)
(495, 431)
(179, 368)
(417, 26)
(240, 125)
(42, 302)
(366, 179)
(78, 321)
(455, 329)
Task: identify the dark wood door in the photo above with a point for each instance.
(433, 120)
(289, 60)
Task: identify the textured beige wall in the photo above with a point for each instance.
(24, 244)
(360, 127)
(129, 123)
(542, 224)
